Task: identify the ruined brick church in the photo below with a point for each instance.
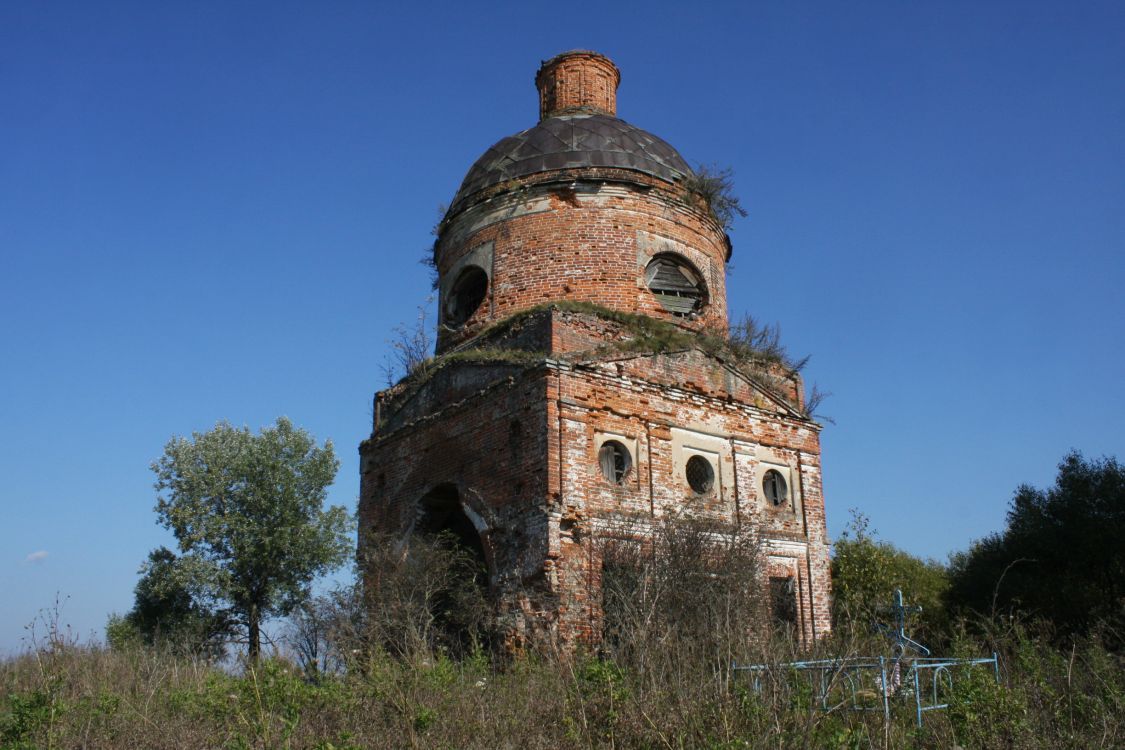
(580, 390)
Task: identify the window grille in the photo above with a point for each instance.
(700, 475)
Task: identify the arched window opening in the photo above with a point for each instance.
(774, 487)
(614, 461)
(465, 296)
(677, 285)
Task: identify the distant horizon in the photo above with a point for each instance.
(217, 213)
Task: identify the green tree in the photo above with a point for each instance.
(248, 514)
(866, 571)
(1061, 557)
(173, 606)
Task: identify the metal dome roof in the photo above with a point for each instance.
(570, 141)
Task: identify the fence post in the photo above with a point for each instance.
(917, 695)
(886, 698)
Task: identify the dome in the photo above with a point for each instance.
(570, 141)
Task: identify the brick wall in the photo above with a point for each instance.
(586, 240)
(544, 503)
(651, 415)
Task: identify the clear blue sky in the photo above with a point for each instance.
(216, 211)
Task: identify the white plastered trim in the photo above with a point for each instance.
(768, 459)
(786, 548)
(714, 448)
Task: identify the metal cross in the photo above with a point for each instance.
(898, 633)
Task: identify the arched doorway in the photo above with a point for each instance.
(458, 567)
(440, 514)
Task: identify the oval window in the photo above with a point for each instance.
(465, 296)
(615, 461)
(677, 286)
(700, 475)
(773, 485)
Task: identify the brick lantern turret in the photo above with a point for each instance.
(577, 81)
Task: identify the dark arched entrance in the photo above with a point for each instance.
(445, 534)
(440, 514)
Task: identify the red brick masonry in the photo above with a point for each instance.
(511, 419)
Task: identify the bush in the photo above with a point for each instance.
(688, 597)
(865, 574)
(422, 596)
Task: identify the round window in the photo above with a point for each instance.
(677, 286)
(465, 295)
(773, 484)
(700, 475)
(615, 461)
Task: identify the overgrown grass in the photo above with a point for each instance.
(676, 614)
(64, 696)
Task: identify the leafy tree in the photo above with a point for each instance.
(1061, 557)
(247, 512)
(174, 605)
(866, 571)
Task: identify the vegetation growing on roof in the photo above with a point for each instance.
(715, 187)
(751, 348)
(410, 348)
(431, 366)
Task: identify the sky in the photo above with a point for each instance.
(216, 211)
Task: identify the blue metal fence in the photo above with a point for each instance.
(871, 683)
(861, 683)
